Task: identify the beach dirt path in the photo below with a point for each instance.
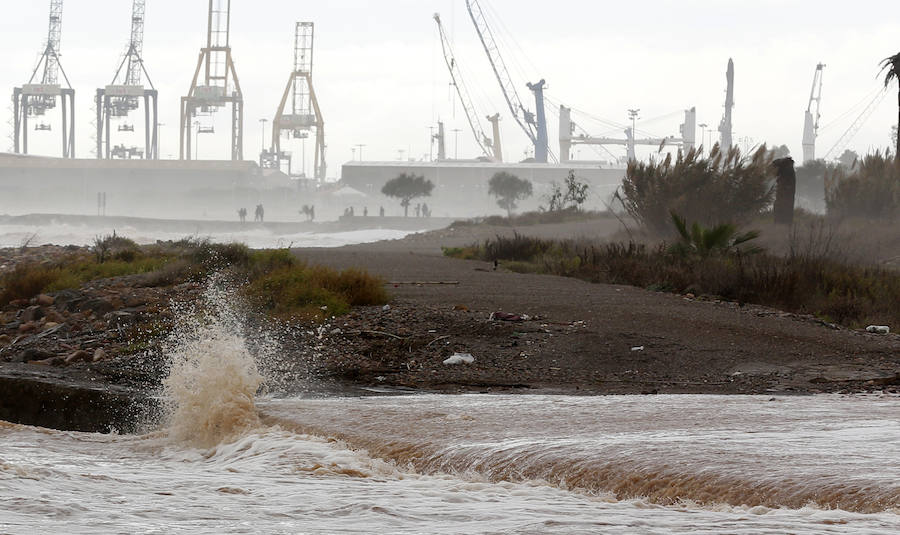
(581, 337)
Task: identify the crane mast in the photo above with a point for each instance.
(811, 121)
(125, 94)
(534, 128)
(39, 95)
(483, 141)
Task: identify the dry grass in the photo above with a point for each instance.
(804, 281)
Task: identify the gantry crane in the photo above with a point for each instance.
(220, 84)
(568, 138)
(811, 122)
(534, 126)
(38, 96)
(725, 126)
(486, 144)
(124, 96)
(305, 114)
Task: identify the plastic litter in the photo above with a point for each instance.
(460, 358)
(386, 308)
(637, 348)
(505, 316)
(878, 329)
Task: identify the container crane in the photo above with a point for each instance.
(39, 95)
(811, 122)
(484, 142)
(725, 127)
(124, 96)
(535, 127)
(220, 84)
(305, 113)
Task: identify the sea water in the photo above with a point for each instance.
(226, 458)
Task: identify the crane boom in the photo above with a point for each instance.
(136, 45)
(855, 126)
(481, 139)
(522, 116)
(811, 121)
(54, 36)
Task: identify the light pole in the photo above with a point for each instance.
(196, 139)
(456, 132)
(360, 147)
(633, 115)
(352, 154)
(702, 132)
(158, 138)
(262, 144)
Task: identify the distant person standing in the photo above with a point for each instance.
(260, 214)
(242, 215)
(381, 211)
(365, 211)
(426, 212)
(418, 210)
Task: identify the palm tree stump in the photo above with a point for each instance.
(785, 191)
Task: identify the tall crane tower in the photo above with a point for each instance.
(305, 114)
(484, 142)
(811, 122)
(124, 95)
(535, 127)
(725, 127)
(39, 95)
(219, 85)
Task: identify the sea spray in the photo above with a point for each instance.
(209, 394)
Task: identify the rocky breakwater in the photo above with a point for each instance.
(86, 359)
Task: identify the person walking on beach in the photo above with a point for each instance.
(365, 211)
(260, 213)
(242, 215)
(381, 211)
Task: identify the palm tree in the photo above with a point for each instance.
(704, 242)
(892, 66)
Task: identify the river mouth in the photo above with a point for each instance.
(828, 451)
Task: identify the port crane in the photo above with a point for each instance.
(568, 137)
(305, 114)
(488, 146)
(219, 85)
(124, 96)
(811, 120)
(725, 126)
(40, 95)
(534, 125)
(856, 125)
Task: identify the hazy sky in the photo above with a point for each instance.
(381, 80)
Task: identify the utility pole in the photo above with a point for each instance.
(702, 132)
(360, 147)
(456, 132)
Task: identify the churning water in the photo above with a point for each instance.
(223, 460)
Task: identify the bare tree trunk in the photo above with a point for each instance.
(897, 153)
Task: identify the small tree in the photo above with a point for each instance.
(573, 197)
(509, 189)
(407, 187)
(576, 192)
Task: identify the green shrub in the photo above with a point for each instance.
(871, 191)
(725, 187)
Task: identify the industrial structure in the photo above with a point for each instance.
(725, 126)
(124, 95)
(491, 147)
(534, 125)
(40, 95)
(568, 137)
(304, 114)
(219, 85)
(811, 121)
